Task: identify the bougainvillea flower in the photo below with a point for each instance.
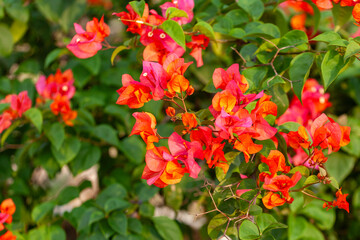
(186, 152)
(133, 20)
(282, 184)
(8, 207)
(178, 84)
(61, 105)
(154, 76)
(298, 22)
(356, 12)
(100, 28)
(221, 78)
(189, 121)
(318, 157)
(145, 127)
(340, 201)
(224, 100)
(84, 44)
(327, 134)
(276, 162)
(299, 138)
(198, 43)
(228, 124)
(170, 111)
(271, 200)
(54, 84)
(5, 121)
(133, 93)
(213, 152)
(245, 144)
(8, 236)
(174, 65)
(263, 108)
(18, 103)
(156, 165)
(185, 5)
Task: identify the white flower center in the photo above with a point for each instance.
(162, 35)
(150, 34)
(144, 74)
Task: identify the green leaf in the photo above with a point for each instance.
(18, 30)
(41, 210)
(92, 64)
(255, 8)
(205, 28)
(146, 210)
(340, 165)
(317, 15)
(116, 52)
(35, 116)
(341, 15)
(280, 98)
(299, 71)
(175, 31)
(44, 232)
(118, 222)
(216, 226)
(52, 56)
(67, 152)
(134, 149)
(167, 228)
(8, 131)
(352, 49)
(114, 190)
(266, 30)
(238, 33)
(267, 222)
(173, 12)
(6, 40)
(138, 7)
(115, 204)
(255, 210)
(294, 38)
(324, 218)
(327, 37)
(67, 194)
(302, 169)
(300, 228)
(289, 127)
(88, 156)
(90, 216)
(106, 133)
(56, 135)
(334, 182)
(331, 67)
(311, 180)
(17, 10)
(4, 106)
(105, 229)
(248, 230)
(173, 196)
(134, 225)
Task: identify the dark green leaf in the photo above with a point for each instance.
(67, 194)
(340, 165)
(352, 49)
(118, 222)
(90, 216)
(299, 71)
(56, 135)
(280, 98)
(106, 133)
(67, 152)
(115, 204)
(88, 156)
(254, 8)
(331, 67)
(167, 228)
(41, 210)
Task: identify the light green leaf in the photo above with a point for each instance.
(311, 180)
(41, 210)
(204, 28)
(175, 31)
(67, 152)
(255, 8)
(173, 12)
(116, 52)
(6, 40)
(352, 49)
(138, 7)
(248, 230)
(327, 37)
(35, 116)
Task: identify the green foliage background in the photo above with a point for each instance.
(32, 42)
